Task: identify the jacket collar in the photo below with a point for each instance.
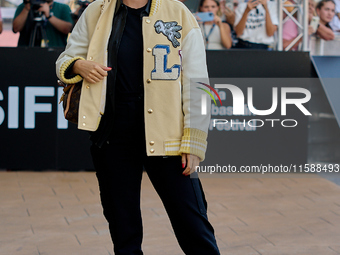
(151, 7)
(146, 12)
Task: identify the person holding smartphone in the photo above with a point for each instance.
(255, 24)
(228, 9)
(55, 17)
(216, 34)
(322, 30)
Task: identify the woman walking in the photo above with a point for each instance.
(136, 59)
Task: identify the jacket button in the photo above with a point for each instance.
(147, 21)
(148, 80)
(84, 117)
(152, 142)
(148, 49)
(84, 124)
(87, 86)
(91, 58)
(152, 150)
(150, 111)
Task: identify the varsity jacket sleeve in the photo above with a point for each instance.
(76, 48)
(194, 74)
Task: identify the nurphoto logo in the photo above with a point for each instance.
(240, 107)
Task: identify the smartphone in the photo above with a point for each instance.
(229, 4)
(205, 16)
(315, 22)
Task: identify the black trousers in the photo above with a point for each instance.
(119, 167)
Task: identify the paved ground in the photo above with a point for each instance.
(58, 213)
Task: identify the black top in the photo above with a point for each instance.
(125, 80)
(129, 77)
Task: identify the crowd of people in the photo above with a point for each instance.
(324, 11)
(251, 24)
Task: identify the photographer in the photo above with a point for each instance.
(55, 19)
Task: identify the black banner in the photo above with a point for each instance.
(35, 136)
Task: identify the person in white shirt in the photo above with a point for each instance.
(255, 24)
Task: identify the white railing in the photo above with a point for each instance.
(321, 47)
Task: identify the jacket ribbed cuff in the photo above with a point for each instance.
(194, 141)
(65, 68)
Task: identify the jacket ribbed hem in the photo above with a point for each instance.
(194, 142)
(171, 147)
(64, 68)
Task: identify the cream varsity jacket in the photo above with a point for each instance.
(177, 115)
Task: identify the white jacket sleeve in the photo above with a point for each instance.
(76, 48)
(194, 74)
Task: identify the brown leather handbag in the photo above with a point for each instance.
(70, 99)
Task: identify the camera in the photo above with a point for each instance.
(35, 4)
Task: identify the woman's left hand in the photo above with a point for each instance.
(230, 15)
(217, 20)
(191, 162)
(264, 3)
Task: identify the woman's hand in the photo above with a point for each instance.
(191, 162)
(197, 18)
(45, 8)
(230, 15)
(91, 71)
(264, 3)
(217, 20)
(252, 4)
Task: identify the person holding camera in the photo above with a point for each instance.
(55, 19)
(255, 24)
